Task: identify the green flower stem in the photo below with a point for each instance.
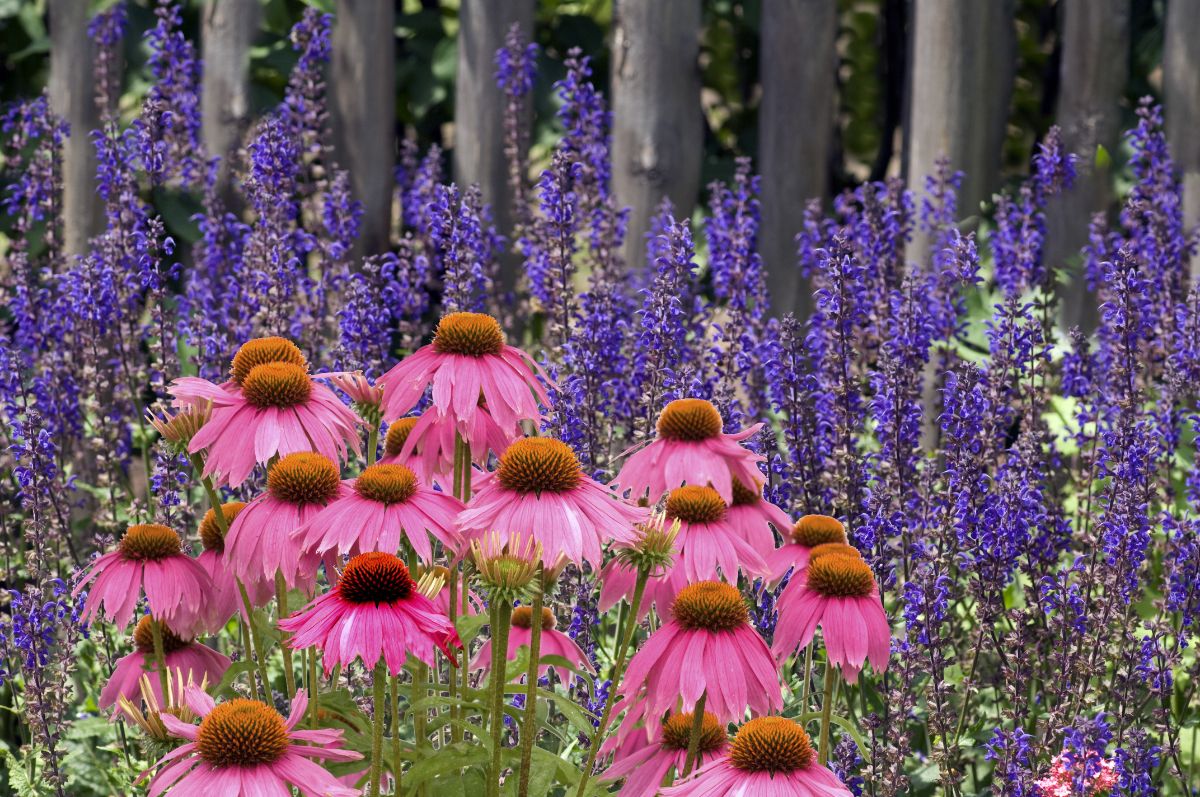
(372, 445)
(827, 699)
(456, 733)
(214, 501)
(618, 672)
(697, 732)
(160, 656)
(397, 765)
(420, 690)
(499, 680)
(379, 680)
(289, 677)
(314, 689)
(808, 656)
(529, 728)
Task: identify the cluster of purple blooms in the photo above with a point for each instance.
(1026, 497)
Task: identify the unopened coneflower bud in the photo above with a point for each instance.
(179, 427)
(150, 718)
(367, 398)
(654, 549)
(506, 569)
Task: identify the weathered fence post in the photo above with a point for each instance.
(658, 131)
(798, 68)
(363, 94)
(1181, 84)
(228, 29)
(72, 98)
(479, 109)
(963, 60)
(1095, 67)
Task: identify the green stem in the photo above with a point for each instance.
(314, 687)
(827, 699)
(499, 680)
(808, 656)
(372, 445)
(379, 681)
(697, 732)
(420, 691)
(289, 677)
(214, 502)
(456, 732)
(256, 641)
(618, 672)
(529, 728)
(397, 765)
(160, 656)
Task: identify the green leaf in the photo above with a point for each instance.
(450, 760)
(1103, 159)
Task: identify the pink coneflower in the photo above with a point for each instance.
(375, 511)
(708, 546)
(554, 643)
(752, 516)
(149, 558)
(426, 442)
(809, 532)
(837, 592)
(271, 407)
(185, 659)
(468, 357)
(707, 649)
(260, 543)
(691, 449)
(225, 598)
(769, 757)
(375, 610)
(707, 541)
(244, 747)
(540, 488)
(645, 767)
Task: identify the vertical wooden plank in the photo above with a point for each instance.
(798, 70)
(1181, 86)
(229, 28)
(1094, 71)
(363, 101)
(963, 63)
(479, 110)
(658, 130)
(72, 97)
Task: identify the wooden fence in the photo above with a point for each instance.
(958, 58)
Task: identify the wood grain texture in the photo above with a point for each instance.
(798, 70)
(658, 129)
(363, 100)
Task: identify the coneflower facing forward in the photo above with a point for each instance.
(260, 542)
(148, 558)
(374, 611)
(270, 407)
(244, 747)
(665, 745)
(769, 757)
(691, 449)
(837, 591)
(468, 357)
(385, 504)
(707, 649)
(540, 488)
